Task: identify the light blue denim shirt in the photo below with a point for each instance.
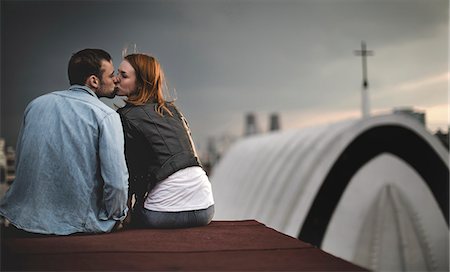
(71, 174)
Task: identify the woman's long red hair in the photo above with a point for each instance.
(150, 82)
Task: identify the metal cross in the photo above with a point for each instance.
(364, 53)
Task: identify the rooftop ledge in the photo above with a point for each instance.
(220, 246)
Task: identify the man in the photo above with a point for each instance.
(71, 174)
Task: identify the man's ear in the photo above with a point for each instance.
(93, 82)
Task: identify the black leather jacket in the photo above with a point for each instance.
(155, 146)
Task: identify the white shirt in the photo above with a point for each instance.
(185, 190)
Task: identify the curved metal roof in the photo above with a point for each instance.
(296, 181)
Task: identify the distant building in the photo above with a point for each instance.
(10, 164)
(420, 116)
(2, 161)
(274, 122)
(443, 137)
(217, 146)
(411, 112)
(212, 155)
(251, 126)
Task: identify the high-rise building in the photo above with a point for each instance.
(274, 122)
(251, 127)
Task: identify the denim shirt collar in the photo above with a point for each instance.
(84, 88)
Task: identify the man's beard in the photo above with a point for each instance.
(109, 94)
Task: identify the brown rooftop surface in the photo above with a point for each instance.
(222, 245)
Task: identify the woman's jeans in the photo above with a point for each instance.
(170, 220)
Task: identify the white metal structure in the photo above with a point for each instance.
(373, 191)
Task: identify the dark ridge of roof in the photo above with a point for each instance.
(222, 245)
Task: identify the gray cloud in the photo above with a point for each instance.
(226, 58)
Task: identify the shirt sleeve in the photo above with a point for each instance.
(113, 169)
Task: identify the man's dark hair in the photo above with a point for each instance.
(85, 63)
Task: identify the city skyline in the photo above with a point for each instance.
(228, 58)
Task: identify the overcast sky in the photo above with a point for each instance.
(227, 58)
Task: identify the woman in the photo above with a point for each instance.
(166, 176)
